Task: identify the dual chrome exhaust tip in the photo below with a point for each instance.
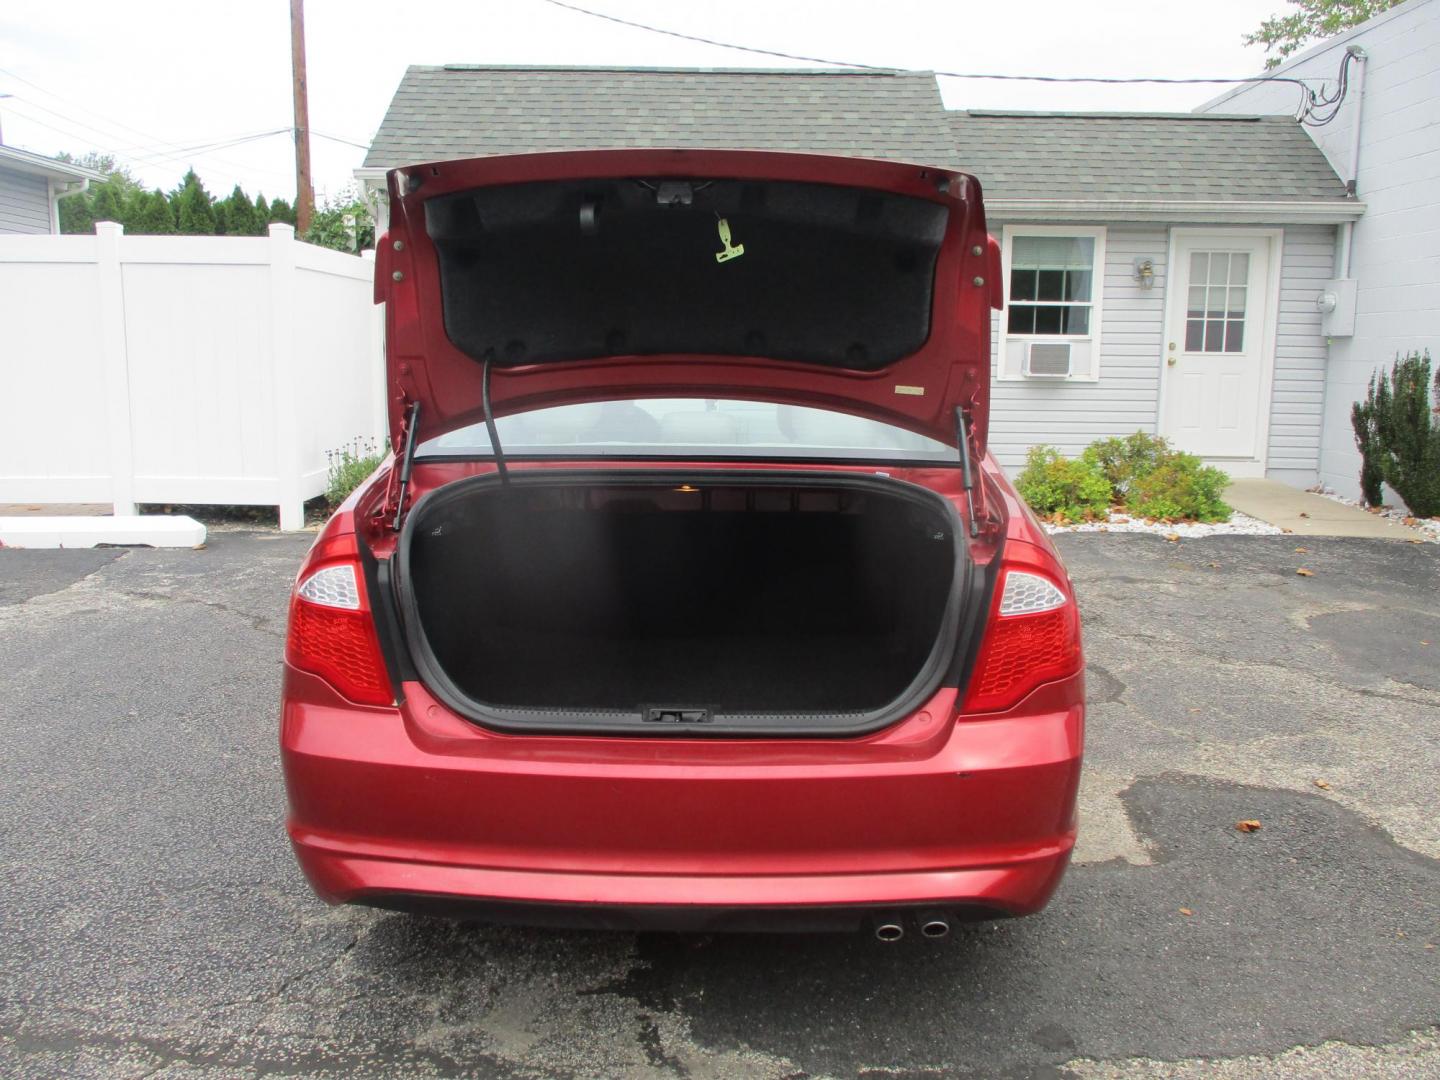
(890, 928)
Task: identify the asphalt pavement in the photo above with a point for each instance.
(153, 923)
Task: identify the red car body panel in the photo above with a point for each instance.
(951, 807)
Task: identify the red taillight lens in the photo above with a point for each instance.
(332, 633)
(1033, 637)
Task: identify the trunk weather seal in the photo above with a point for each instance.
(940, 663)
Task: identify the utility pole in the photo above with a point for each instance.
(304, 189)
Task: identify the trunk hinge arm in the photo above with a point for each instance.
(407, 462)
(491, 430)
(967, 467)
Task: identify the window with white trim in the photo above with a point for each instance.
(1051, 327)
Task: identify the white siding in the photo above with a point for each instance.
(1072, 415)
(24, 202)
(1298, 397)
(1395, 254)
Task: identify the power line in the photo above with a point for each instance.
(108, 131)
(1102, 79)
(338, 139)
(201, 150)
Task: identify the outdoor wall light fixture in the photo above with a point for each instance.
(1144, 273)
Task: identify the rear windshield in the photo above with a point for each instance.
(691, 427)
(533, 273)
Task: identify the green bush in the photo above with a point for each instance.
(1122, 460)
(1179, 488)
(1404, 432)
(1055, 485)
(1367, 441)
(349, 467)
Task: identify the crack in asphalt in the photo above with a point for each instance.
(262, 623)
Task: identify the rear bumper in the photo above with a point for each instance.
(415, 808)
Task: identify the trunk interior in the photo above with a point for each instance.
(715, 595)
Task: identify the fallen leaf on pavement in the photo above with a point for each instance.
(1304, 514)
(1303, 551)
(1186, 911)
(1305, 573)
(1173, 537)
(1213, 565)
(1248, 826)
(1283, 530)
(1325, 784)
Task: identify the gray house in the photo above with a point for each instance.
(1162, 271)
(31, 187)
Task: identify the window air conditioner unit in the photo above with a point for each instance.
(1047, 360)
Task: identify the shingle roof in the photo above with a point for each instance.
(1122, 156)
(462, 111)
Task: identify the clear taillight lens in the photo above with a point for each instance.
(332, 587)
(1029, 594)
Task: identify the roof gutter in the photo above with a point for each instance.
(1177, 211)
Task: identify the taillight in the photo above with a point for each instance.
(332, 630)
(1033, 637)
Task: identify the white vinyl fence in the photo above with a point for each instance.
(183, 369)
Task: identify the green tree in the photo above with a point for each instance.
(1314, 20)
(194, 209)
(239, 214)
(262, 212)
(149, 214)
(107, 206)
(77, 212)
(342, 223)
(282, 211)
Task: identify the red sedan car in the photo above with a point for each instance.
(690, 597)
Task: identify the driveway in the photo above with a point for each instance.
(152, 922)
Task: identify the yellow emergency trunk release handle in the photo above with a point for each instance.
(732, 251)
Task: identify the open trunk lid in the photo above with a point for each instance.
(839, 283)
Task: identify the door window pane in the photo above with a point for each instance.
(1214, 335)
(1217, 301)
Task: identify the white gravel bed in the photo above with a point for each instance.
(1428, 528)
(1238, 525)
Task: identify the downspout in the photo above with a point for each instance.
(1360, 57)
(1352, 185)
(70, 187)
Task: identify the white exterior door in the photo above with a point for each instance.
(1219, 341)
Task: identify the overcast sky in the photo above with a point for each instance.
(154, 81)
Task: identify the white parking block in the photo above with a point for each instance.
(147, 530)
